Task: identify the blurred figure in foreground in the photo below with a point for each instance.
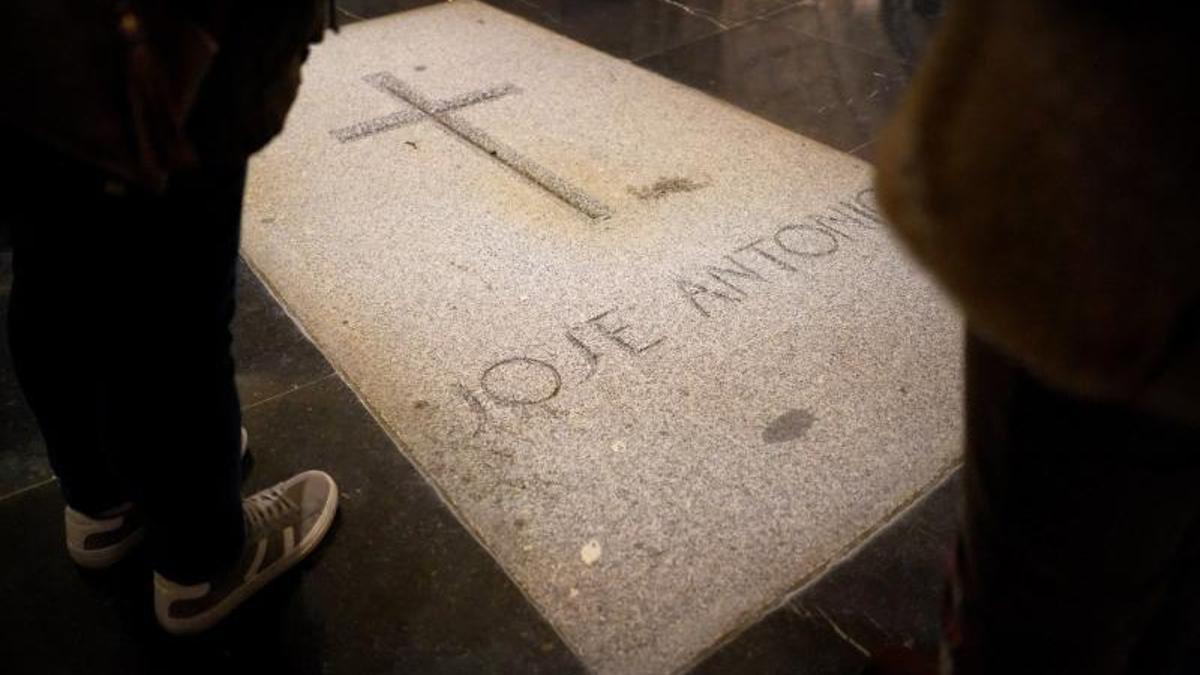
(129, 124)
(1045, 168)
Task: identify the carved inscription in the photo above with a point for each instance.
(719, 285)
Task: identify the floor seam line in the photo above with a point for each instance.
(849, 639)
(639, 58)
(851, 151)
(289, 392)
(697, 13)
(847, 45)
(350, 14)
(725, 28)
(28, 488)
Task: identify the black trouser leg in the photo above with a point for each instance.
(56, 325)
(1081, 532)
(120, 328)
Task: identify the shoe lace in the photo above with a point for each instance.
(267, 507)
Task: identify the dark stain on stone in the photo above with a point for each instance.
(419, 68)
(421, 405)
(790, 426)
(664, 187)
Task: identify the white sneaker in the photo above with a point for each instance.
(100, 542)
(103, 541)
(284, 524)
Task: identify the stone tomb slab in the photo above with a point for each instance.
(659, 355)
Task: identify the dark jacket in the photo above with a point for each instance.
(1046, 167)
(141, 88)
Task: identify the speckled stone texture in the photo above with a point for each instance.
(660, 421)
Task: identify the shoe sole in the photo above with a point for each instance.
(103, 558)
(203, 622)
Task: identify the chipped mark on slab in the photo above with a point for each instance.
(552, 183)
(666, 186)
(590, 552)
(791, 425)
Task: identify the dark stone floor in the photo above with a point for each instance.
(399, 586)
(888, 595)
(402, 585)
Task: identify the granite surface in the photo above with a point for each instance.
(661, 417)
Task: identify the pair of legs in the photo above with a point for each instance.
(119, 327)
(1080, 551)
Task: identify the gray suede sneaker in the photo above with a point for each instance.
(104, 540)
(283, 525)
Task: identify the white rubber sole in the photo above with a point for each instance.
(205, 621)
(104, 558)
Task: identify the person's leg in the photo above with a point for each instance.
(119, 324)
(212, 550)
(172, 417)
(1078, 515)
(57, 318)
(150, 280)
